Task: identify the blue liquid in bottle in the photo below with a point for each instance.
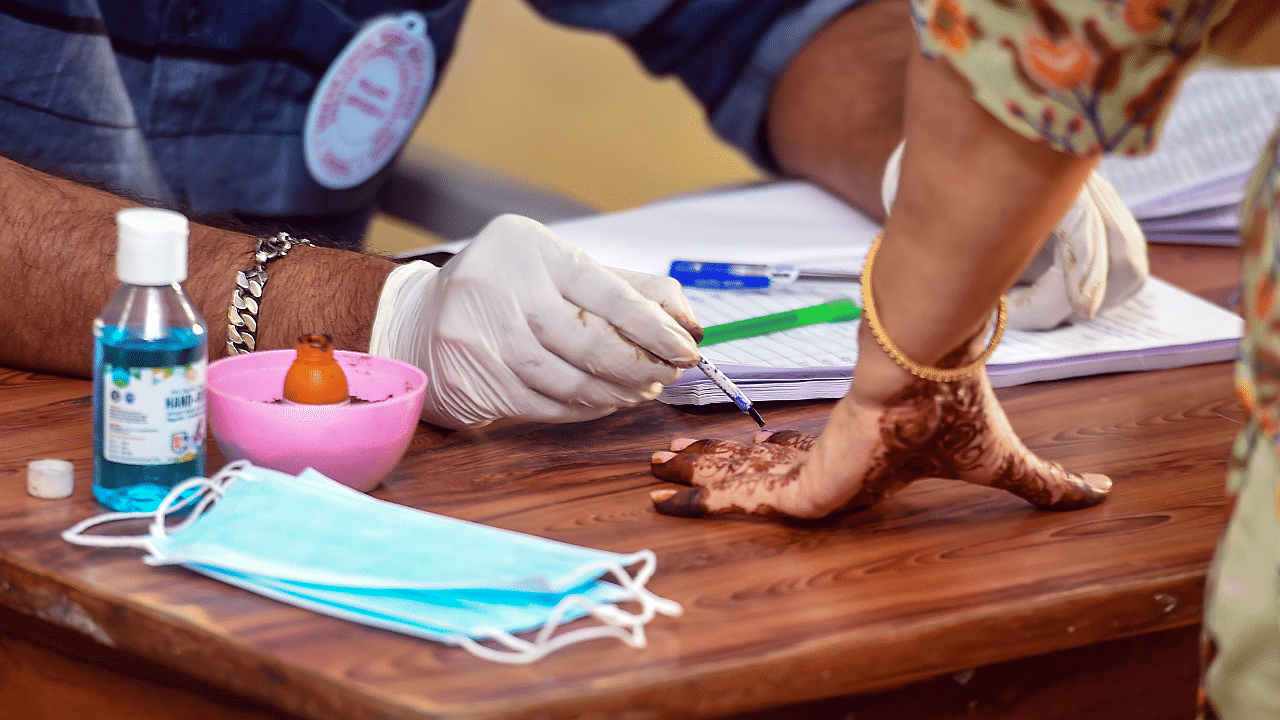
(125, 487)
(150, 353)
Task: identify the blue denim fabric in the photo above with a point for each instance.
(201, 103)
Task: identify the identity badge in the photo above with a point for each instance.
(369, 101)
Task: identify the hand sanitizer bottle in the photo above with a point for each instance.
(150, 352)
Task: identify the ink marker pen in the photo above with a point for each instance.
(724, 383)
(738, 276)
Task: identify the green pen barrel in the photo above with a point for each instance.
(834, 311)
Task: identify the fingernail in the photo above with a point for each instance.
(762, 435)
(681, 443)
(680, 503)
(671, 467)
(1098, 482)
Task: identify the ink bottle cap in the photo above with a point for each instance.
(152, 247)
(315, 378)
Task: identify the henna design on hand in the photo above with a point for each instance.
(928, 429)
(956, 431)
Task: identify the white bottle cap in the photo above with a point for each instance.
(153, 246)
(50, 479)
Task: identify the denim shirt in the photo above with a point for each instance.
(201, 103)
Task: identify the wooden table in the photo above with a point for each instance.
(945, 601)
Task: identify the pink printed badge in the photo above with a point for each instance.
(369, 101)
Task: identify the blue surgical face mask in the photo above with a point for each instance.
(315, 543)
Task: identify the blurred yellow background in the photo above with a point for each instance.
(568, 110)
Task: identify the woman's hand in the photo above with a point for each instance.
(975, 203)
(874, 445)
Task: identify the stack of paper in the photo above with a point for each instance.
(1190, 188)
(1162, 327)
(796, 223)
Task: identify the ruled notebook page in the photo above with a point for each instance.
(1163, 326)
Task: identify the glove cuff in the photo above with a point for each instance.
(401, 288)
(889, 180)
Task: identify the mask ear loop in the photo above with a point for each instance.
(177, 499)
(625, 626)
(617, 623)
(636, 585)
(180, 497)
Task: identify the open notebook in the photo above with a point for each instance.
(1161, 327)
(799, 224)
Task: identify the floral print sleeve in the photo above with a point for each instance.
(1087, 77)
(1258, 372)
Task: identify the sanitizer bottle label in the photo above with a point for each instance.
(153, 415)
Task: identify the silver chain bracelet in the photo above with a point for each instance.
(242, 327)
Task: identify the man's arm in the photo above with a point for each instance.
(836, 113)
(57, 268)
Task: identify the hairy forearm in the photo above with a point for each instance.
(836, 113)
(57, 265)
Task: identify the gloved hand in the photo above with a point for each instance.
(520, 324)
(1095, 259)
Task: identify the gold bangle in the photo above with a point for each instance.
(921, 371)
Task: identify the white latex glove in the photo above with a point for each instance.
(520, 324)
(1095, 259)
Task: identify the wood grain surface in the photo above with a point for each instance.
(939, 580)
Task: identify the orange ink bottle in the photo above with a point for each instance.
(315, 378)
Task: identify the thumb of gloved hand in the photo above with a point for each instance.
(1127, 264)
(520, 324)
(1095, 259)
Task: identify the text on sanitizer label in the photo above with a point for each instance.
(153, 415)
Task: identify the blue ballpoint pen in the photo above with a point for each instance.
(725, 384)
(740, 276)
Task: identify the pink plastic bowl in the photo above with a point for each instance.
(357, 444)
